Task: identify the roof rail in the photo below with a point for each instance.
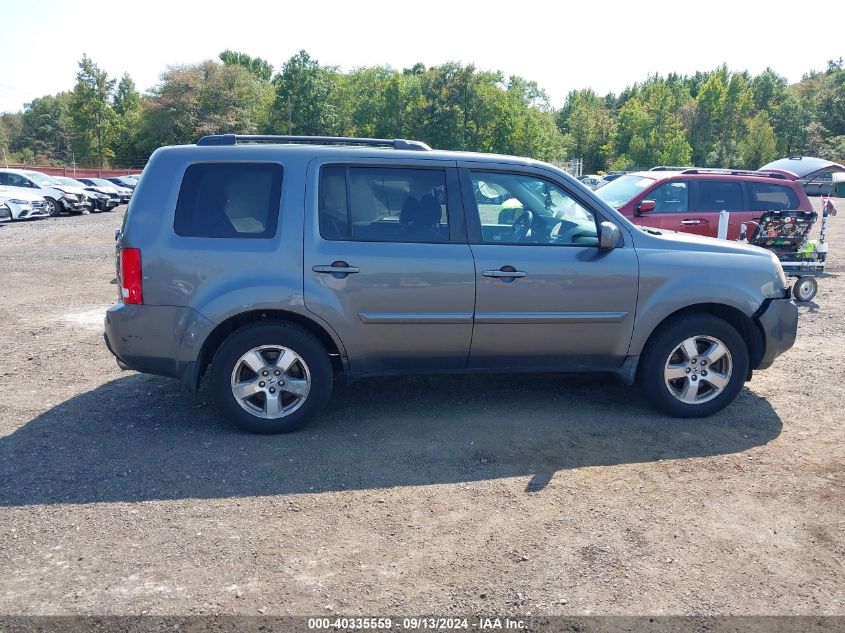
(669, 168)
(735, 172)
(234, 139)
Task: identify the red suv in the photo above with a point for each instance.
(690, 200)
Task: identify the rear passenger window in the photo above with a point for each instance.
(717, 195)
(229, 200)
(766, 197)
(383, 204)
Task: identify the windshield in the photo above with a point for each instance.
(618, 192)
(42, 179)
(101, 182)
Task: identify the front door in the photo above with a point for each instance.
(546, 296)
(387, 264)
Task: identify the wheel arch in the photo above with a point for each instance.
(747, 327)
(213, 341)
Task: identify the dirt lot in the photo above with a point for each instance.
(121, 493)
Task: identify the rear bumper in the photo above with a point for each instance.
(778, 320)
(163, 340)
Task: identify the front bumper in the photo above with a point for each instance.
(74, 206)
(778, 320)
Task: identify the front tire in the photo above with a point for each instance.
(55, 208)
(694, 366)
(271, 377)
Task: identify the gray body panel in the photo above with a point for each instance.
(420, 307)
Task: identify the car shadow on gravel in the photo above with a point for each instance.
(143, 438)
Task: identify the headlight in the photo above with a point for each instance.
(71, 196)
(779, 269)
(16, 201)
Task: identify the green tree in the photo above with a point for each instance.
(261, 68)
(126, 105)
(200, 99)
(306, 96)
(587, 127)
(91, 110)
(46, 128)
(758, 146)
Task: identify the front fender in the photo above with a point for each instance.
(673, 281)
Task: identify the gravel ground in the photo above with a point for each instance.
(122, 494)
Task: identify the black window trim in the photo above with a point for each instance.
(454, 211)
(473, 217)
(245, 236)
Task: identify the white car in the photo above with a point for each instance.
(59, 197)
(23, 205)
(104, 186)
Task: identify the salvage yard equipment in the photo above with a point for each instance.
(786, 234)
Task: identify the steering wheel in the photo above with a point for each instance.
(522, 227)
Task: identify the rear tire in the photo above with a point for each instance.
(700, 382)
(265, 357)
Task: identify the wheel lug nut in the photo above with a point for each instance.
(694, 377)
(265, 373)
(704, 362)
(688, 370)
(272, 390)
(277, 372)
(261, 384)
(704, 372)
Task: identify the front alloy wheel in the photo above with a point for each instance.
(698, 369)
(693, 366)
(55, 208)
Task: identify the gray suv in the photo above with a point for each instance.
(277, 264)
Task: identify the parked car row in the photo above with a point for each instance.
(27, 194)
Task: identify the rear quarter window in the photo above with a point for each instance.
(229, 200)
(766, 197)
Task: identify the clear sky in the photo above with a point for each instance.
(605, 45)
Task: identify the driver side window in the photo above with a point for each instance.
(519, 209)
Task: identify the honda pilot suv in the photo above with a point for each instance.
(276, 265)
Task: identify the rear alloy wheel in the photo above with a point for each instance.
(694, 367)
(271, 377)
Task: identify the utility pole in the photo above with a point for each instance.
(290, 120)
(5, 160)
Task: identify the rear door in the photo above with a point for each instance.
(387, 264)
(709, 199)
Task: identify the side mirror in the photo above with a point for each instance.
(646, 206)
(609, 235)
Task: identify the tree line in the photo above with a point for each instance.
(718, 118)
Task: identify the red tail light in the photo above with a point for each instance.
(131, 281)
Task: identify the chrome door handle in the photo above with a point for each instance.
(337, 268)
(508, 274)
(691, 221)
